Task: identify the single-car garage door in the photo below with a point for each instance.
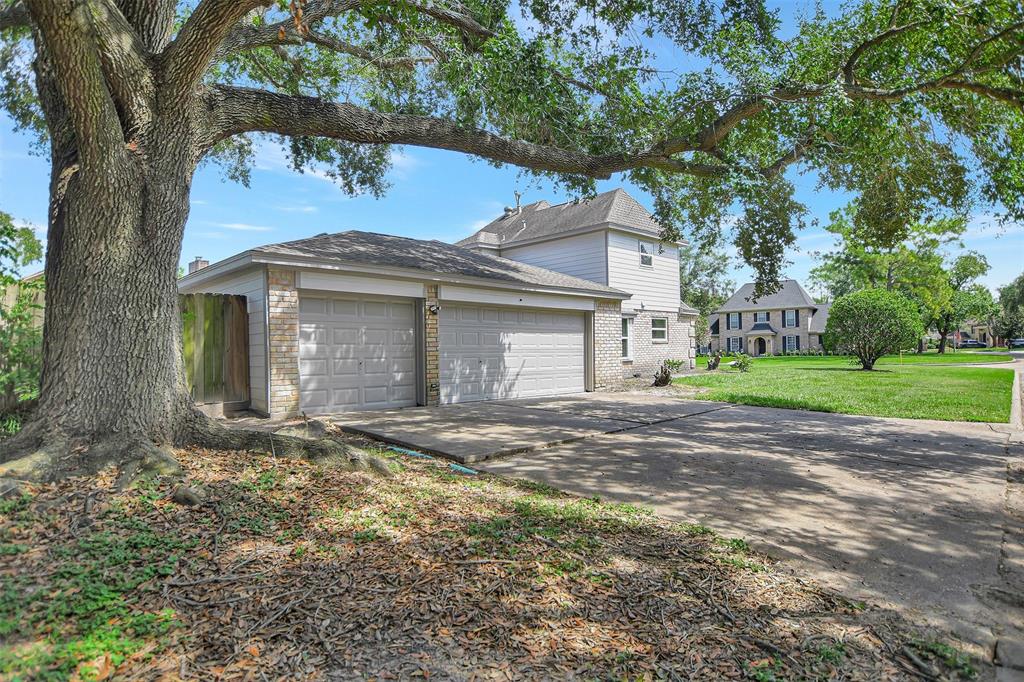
(488, 353)
(356, 353)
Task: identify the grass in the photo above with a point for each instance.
(927, 358)
(292, 570)
(834, 384)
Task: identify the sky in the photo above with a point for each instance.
(434, 194)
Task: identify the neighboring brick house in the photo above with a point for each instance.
(786, 321)
(612, 240)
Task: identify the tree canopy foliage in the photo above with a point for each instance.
(913, 106)
(20, 331)
(871, 323)
(1010, 321)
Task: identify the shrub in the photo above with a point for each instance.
(674, 365)
(871, 323)
(742, 362)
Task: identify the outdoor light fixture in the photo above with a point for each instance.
(433, 308)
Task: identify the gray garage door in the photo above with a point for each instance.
(356, 353)
(488, 352)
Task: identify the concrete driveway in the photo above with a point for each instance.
(903, 513)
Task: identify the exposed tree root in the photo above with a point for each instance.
(35, 454)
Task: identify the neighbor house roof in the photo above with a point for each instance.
(820, 318)
(389, 251)
(789, 295)
(534, 221)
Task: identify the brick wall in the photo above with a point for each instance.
(283, 318)
(607, 345)
(430, 322)
(649, 354)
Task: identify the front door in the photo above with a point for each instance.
(760, 348)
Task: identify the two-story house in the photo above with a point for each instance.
(785, 321)
(546, 300)
(612, 240)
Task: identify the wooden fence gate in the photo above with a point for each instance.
(216, 344)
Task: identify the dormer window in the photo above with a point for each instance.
(761, 316)
(646, 253)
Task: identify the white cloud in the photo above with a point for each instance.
(302, 208)
(987, 225)
(243, 227)
(403, 163)
(198, 202)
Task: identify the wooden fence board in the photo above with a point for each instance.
(215, 338)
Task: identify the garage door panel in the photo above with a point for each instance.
(356, 354)
(494, 353)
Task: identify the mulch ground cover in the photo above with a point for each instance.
(289, 570)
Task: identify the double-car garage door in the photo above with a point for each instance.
(360, 353)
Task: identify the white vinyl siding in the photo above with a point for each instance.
(659, 329)
(581, 256)
(627, 338)
(252, 284)
(656, 287)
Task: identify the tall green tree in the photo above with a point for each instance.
(962, 298)
(1010, 319)
(704, 284)
(20, 333)
(130, 96)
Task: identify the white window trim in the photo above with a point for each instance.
(640, 244)
(656, 340)
(628, 338)
(786, 319)
(728, 321)
(789, 342)
(760, 314)
(738, 345)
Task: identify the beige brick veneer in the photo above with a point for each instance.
(607, 345)
(283, 319)
(648, 355)
(430, 323)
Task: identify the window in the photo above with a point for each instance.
(789, 318)
(659, 329)
(646, 253)
(761, 317)
(790, 343)
(627, 338)
(734, 344)
(733, 321)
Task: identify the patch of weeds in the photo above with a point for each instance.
(735, 544)
(539, 488)
(949, 656)
(832, 653)
(10, 424)
(599, 578)
(87, 609)
(695, 529)
(368, 535)
(584, 513)
(10, 548)
(11, 507)
(766, 670)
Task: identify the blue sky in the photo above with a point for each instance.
(434, 195)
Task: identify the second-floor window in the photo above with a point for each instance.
(761, 317)
(733, 321)
(789, 319)
(646, 253)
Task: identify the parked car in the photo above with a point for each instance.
(1015, 343)
(973, 343)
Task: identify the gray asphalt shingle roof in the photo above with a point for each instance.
(762, 327)
(790, 295)
(820, 318)
(541, 219)
(384, 250)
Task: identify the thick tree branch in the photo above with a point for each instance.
(892, 32)
(121, 54)
(153, 21)
(189, 55)
(14, 15)
(66, 30)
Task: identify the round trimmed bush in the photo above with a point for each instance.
(871, 323)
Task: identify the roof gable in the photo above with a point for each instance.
(789, 295)
(540, 219)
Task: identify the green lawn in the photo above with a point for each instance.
(834, 384)
(926, 358)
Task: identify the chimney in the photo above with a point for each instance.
(197, 264)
